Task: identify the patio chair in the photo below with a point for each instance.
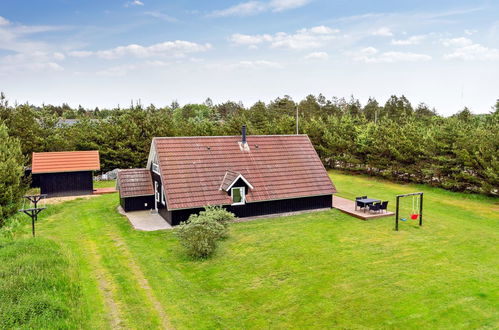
(374, 207)
(359, 204)
(384, 206)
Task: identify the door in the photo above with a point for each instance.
(156, 195)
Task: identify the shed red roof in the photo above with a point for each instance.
(278, 167)
(65, 161)
(135, 182)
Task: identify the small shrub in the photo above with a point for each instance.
(220, 215)
(200, 234)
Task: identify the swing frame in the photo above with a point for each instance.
(420, 208)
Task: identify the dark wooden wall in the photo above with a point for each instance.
(137, 203)
(259, 208)
(66, 183)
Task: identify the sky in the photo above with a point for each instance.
(444, 53)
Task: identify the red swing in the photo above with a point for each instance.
(414, 215)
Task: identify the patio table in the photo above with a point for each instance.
(367, 201)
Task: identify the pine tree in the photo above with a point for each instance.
(11, 171)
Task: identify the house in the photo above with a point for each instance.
(249, 176)
(67, 173)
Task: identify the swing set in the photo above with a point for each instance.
(417, 209)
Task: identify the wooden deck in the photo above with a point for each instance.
(102, 191)
(347, 206)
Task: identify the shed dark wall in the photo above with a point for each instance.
(66, 183)
(259, 208)
(137, 203)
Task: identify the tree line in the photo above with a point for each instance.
(393, 140)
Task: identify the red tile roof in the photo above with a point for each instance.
(228, 179)
(65, 161)
(277, 166)
(135, 182)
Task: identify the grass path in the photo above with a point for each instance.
(318, 270)
(123, 297)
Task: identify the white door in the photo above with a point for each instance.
(156, 195)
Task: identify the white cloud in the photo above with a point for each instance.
(372, 55)
(247, 39)
(4, 21)
(317, 56)
(80, 53)
(470, 32)
(33, 62)
(457, 42)
(382, 32)
(134, 3)
(59, 56)
(281, 5)
(414, 40)
(177, 48)
(314, 37)
(466, 49)
(253, 65)
(256, 7)
(369, 51)
(242, 9)
(161, 16)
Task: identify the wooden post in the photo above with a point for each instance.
(421, 209)
(397, 215)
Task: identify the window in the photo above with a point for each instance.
(162, 196)
(155, 168)
(238, 196)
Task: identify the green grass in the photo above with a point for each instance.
(38, 287)
(318, 270)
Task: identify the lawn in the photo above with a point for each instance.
(323, 269)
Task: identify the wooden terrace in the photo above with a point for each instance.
(347, 206)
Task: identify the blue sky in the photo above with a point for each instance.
(104, 53)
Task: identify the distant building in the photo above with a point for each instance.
(249, 176)
(66, 173)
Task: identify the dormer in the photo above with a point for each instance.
(236, 185)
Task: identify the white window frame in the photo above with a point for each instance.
(155, 168)
(243, 195)
(162, 196)
(156, 192)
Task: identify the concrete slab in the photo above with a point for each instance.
(145, 220)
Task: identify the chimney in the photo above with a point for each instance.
(243, 141)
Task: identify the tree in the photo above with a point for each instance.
(464, 115)
(371, 109)
(11, 172)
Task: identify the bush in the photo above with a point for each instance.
(200, 234)
(220, 215)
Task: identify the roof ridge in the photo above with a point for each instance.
(226, 136)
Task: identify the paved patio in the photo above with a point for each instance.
(145, 220)
(347, 206)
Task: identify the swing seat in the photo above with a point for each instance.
(414, 216)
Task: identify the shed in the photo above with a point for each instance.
(136, 189)
(66, 173)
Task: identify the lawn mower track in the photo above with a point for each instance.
(141, 280)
